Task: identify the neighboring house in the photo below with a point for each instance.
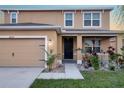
(63, 30)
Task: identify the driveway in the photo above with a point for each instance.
(18, 77)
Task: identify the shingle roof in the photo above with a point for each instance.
(88, 29)
(56, 7)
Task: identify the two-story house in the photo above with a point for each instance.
(67, 31)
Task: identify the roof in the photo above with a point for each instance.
(89, 32)
(29, 26)
(56, 7)
(87, 29)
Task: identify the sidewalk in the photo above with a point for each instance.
(71, 72)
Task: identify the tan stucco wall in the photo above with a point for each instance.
(105, 43)
(120, 37)
(56, 18)
(106, 20)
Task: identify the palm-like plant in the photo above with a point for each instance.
(50, 59)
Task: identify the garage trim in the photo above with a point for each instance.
(28, 37)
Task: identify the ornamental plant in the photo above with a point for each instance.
(113, 57)
(50, 60)
(94, 59)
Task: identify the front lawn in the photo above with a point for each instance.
(96, 79)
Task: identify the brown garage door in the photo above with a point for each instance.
(22, 52)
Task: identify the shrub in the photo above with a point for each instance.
(95, 61)
(112, 68)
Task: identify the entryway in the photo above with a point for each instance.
(68, 47)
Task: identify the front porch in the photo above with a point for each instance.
(72, 47)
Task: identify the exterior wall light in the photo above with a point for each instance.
(50, 43)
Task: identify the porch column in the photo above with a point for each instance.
(79, 46)
(59, 49)
(119, 42)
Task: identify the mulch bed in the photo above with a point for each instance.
(59, 69)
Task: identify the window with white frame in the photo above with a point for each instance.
(13, 17)
(68, 19)
(91, 19)
(92, 45)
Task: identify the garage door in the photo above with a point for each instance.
(22, 52)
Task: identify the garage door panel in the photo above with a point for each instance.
(22, 52)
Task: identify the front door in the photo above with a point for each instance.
(68, 48)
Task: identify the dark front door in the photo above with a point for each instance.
(68, 48)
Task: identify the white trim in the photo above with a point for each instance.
(72, 20)
(29, 37)
(100, 25)
(11, 17)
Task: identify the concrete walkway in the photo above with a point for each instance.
(71, 72)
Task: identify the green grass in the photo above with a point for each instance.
(96, 79)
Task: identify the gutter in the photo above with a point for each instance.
(57, 28)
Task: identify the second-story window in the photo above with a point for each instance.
(91, 19)
(68, 19)
(13, 17)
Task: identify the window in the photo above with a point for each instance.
(69, 19)
(91, 19)
(92, 45)
(13, 17)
